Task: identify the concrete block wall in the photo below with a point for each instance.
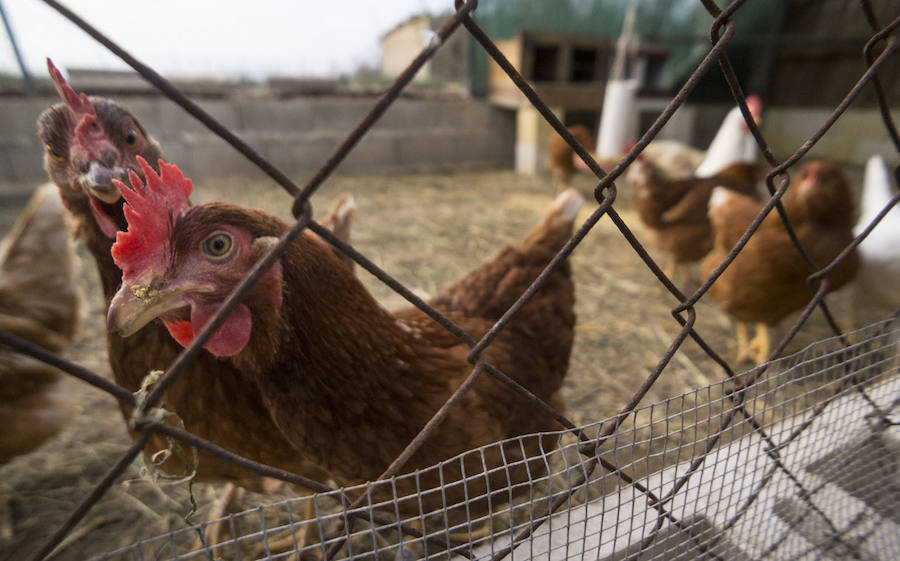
(857, 135)
(297, 135)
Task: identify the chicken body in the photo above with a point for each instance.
(672, 159)
(767, 280)
(675, 211)
(349, 383)
(732, 144)
(561, 156)
(211, 398)
(39, 301)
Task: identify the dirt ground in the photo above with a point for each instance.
(426, 230)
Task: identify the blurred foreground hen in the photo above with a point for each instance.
(39, 301)
(767, 279)
(347, 382)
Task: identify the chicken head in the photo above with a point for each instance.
(89, 142)
(181, 268)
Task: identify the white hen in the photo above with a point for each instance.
(733, 143)
(877, 284)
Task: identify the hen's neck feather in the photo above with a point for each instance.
(98, 244)
(332, 359)
(328, 319)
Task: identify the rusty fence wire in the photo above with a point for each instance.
(857, 371)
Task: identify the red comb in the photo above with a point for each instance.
(754, 104)
(151, 211)
(79, 104)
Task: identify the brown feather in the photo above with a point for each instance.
(767, 280)
(350, 384)
(560, 154)
(40, 301)
(675, 211)
(211, 398)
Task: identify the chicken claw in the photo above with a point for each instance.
(756, 349)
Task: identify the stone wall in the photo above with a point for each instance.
(297, 135)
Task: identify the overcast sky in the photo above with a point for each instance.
(251, 38)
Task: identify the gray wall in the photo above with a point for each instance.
(296, 135)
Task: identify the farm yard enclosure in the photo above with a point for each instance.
(671, 361)
(409, 225)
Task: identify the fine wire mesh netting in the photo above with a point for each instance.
(737, 505)
(794, 459)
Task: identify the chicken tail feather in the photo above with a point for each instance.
(567, 204)
(493, 287)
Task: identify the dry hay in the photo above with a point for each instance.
(427, 231)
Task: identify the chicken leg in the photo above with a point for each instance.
(297, 540)
(756, 349)
(678, 273)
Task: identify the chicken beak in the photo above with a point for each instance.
(137, 304)
(98, 181)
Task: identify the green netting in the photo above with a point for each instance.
(680, 26)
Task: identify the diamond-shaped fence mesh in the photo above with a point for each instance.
(793, 459)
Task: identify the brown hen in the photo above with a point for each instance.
(767, 279)
(349, 383)
(561, 157)
(675, 211)
(40, 301)
(88, 143)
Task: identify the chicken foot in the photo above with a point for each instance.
(227, 503)
(457, 538)
(756, 349)
(297, 540)
(677, 272)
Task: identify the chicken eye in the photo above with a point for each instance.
(131, 139)
(217, 245)
(55, 155)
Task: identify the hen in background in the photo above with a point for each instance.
(673, 159)
(767, 279)
(40, 301)
(88, 143)
(733, 143)
(675, 211)
(348, 382)
(671, 200)
(877, 284)
(561, 158)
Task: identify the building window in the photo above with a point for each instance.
(546, 62)
(584, 64)
(654, 72)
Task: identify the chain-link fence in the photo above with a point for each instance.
(744, 475)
